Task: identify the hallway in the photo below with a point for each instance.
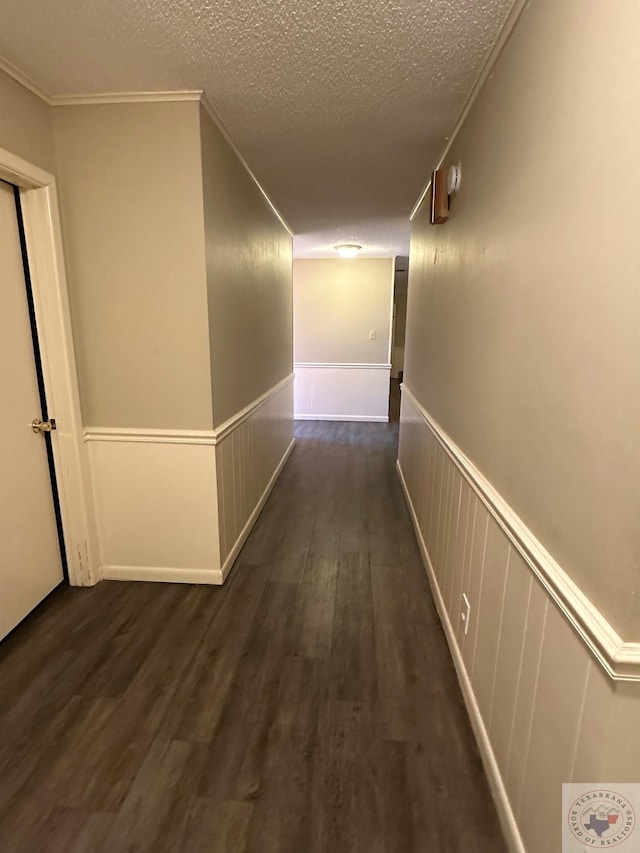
(310, 704)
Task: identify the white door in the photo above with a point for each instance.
(30, 561)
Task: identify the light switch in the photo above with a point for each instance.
(372, 335)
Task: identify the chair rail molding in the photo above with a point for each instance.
(177, 505)
(341, 365)
(184, 436)
(620, 659)
(149, 436)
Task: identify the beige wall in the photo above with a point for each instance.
(336, 304)
(131, 205)
(169, 329)
(248, 262)
(26, 124)
(522, 337)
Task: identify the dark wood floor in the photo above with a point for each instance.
(310, 704)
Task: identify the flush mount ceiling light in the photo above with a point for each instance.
(347, 250)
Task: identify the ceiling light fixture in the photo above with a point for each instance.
(347, 250)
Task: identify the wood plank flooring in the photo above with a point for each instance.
(308, 706)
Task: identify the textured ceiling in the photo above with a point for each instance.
(340, 106)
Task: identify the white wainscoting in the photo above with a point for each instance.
(155, 497)
(342, 392)
(249, 458)
(178, 505)
(541, 685)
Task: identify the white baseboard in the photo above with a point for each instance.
(365, 418)
(162, 574)
(498, 790)
(246, 530)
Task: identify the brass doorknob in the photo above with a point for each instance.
(42, 426)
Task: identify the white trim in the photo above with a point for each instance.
(20, 77)
(162, 574)
(126, 97)
(340, 365)
(95, 98)
(498, 791)
(620, 659)
(184, 436)
(498, 46)
(22, 173)
(333, 391)
(235, 420)
(143, 97)
(39, 202)
(366, 418)
(391, 312)
(213, 115)
(246, 530)
(150, 436)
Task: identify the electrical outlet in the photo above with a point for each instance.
(466, 612)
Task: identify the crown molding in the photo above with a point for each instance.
(140, 98)
(96, 98)
(214, 116)
(494, 54)
(126, 97)
(10, 70)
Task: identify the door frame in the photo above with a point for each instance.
(39, 202)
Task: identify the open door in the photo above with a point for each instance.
(31, 550)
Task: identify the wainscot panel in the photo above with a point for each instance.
(249, 459)
(178, 505)
(546, 690)
(156, 505)
(342, 392)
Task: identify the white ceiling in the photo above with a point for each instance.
(340, 107)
